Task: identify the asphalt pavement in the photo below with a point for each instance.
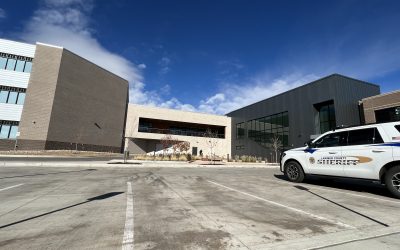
(190, 208)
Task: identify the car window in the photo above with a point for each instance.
(397, 127)
(364, 136)
(332, 140)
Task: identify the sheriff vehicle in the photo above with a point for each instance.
(364, 152)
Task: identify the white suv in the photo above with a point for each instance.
(366, 152)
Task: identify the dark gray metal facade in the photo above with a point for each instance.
(303, 116)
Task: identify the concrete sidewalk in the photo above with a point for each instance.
(52, 162)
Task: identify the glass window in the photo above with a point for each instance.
(240, 132)
(21, 98)
(28, 67)
(265, 128)
(332, 140)
(267, 123)
(3, 96)
(11, 64)
(5, 130)
(3, 62)
(397, 127)
(327, 118)
(20, 66)
(377, 136)
(388, 115)
(13, 132)
(285, 119)
(12, 98)
(364, 136)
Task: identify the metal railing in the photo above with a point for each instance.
(175, 132)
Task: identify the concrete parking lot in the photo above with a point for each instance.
(190, 208)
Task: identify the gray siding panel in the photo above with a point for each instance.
(299, 102)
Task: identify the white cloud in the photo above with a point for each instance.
(164, 63)
(237, 95)
(2, 13)
(142, 66)
(174, 103)
(165, 90)
(66, 23)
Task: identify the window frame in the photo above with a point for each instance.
(375, 130)
(340, 144)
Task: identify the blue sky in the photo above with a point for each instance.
(216, 56)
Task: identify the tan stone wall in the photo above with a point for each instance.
(378, 102)
(71, 103)
(136, 111)
(40, 93)
(89, 104)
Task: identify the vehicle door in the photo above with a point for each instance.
(395, 138)
(325, 156)
(365, 153)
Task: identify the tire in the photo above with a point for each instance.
(294, 172)
(392, 181)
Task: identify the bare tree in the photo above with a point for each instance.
(166, 143)
(184, 146)
(275, 145)
(175, 145)
(212, 142)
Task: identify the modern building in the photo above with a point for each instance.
(147, 126)
(381, 108)
(51, 98)
(298, 114)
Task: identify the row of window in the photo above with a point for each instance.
(15, 63)
(12, 95)
(264, 129)
(8, 129)
(350, 138)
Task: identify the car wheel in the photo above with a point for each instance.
(392, 180)
(294, 172)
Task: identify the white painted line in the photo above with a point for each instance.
(127, 242)
(287, 207)
(3, 189)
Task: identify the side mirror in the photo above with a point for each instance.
(309, 144)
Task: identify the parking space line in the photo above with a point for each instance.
(128, 240)
(287, 207)
(3, 189)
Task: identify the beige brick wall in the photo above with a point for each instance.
(72, 101)
(89, 104)
(378, 102)
(40, 93)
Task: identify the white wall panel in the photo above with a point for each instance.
(17, 48)
(10, 112)
(14, 78)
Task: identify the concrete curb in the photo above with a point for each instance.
(131, 165)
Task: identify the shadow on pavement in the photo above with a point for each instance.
(364, 186)
(342, 206)
(100, 197)
(63, 172)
